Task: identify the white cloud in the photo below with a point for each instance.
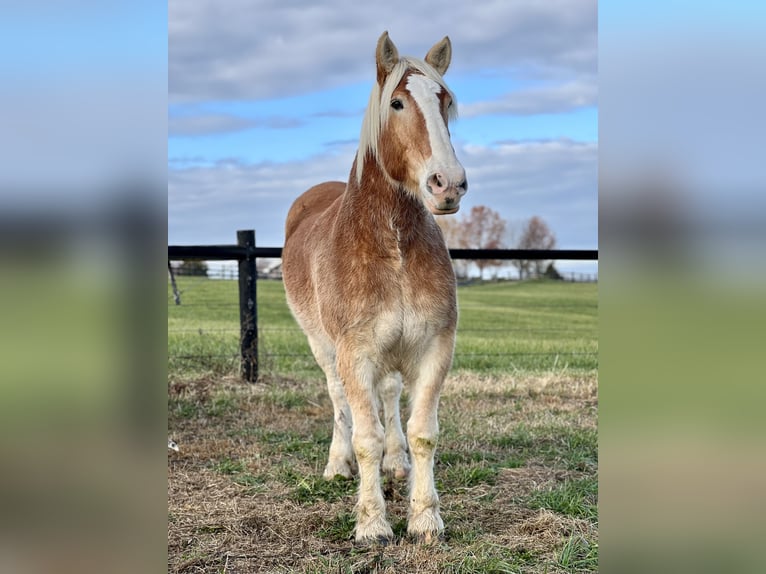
(265, 48)
(207, 204)
(550, 99)
(554, 179)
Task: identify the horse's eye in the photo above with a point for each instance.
(397, 105)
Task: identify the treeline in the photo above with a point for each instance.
(484, 228)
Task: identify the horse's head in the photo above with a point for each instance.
(406, 126)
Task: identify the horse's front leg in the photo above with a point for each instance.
(359, 377)
(425, 523)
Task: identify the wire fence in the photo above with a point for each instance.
(227, 270)
(497, 332)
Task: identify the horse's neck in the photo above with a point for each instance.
(379, 209)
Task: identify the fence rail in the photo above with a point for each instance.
(240, 252)
(245, 252)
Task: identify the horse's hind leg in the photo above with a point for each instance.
(341, 459)
(395, 459)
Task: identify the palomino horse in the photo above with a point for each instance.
(369, 279)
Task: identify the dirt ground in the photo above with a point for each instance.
(516, 471)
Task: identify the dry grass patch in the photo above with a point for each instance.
(516, 469)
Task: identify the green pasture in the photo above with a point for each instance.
(505, 327)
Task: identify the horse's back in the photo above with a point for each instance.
(311, 203)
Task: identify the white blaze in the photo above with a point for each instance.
(425, 92)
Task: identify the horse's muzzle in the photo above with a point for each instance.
(443, 195)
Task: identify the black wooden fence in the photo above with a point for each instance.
(246, 253)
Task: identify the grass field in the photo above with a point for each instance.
(516, 465)
(504, 327)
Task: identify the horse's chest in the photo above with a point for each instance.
(391, 301)
(414, 313)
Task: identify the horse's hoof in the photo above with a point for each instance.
(426, 538)
(337, 476)
(335, 470)
(375, 531)
(426, 527)
(397, 466)
(380, 540)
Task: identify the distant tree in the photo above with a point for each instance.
(481, 228)
(534, 235)
(484, 229)
(552, 273)
(192, 267)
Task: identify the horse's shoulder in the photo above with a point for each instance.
(311, 203)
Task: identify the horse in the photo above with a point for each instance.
(369, 279)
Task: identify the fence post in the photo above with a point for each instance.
(176, 294)
(248, 309)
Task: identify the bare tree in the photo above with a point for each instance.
(535, 235)
(484, 229)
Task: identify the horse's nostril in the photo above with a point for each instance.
(463, 185)
(437, 183)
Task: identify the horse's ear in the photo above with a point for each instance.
(440, 55)
(386, 57)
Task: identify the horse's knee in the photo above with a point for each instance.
(422, 444)
(422, 435)
(368, 444)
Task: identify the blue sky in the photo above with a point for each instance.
(266, 99)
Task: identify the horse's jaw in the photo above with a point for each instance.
(436, 211)
(442, 203)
